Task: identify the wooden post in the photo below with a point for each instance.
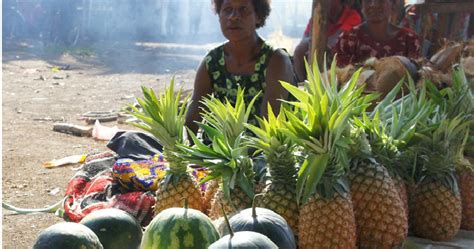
(319, 37)
(443, 8)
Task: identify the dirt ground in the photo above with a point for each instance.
(35, 95)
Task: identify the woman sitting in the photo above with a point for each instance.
(376, 37)
(245, 60)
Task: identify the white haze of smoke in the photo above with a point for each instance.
(184, 21)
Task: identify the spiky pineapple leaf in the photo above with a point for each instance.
(226, 157)
(310, 174)
(319, 123)
(389, 98)
(164, 117)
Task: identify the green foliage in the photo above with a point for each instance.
(392, 125)
(320, 123)
(162, 116)
(227, 155)
(445, 132)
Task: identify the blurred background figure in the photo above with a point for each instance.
(376, 36)
(341, 18)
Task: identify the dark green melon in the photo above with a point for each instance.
(266, 222)
(68, 235)
(179, 228)
(115, 228)
(244, 240)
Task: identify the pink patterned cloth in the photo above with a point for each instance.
(84, 196)
(357, 45)
(93, 188)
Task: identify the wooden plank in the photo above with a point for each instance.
(442, 8)
(448, 7)
(444, 1)
(319, 38)
(464, 239)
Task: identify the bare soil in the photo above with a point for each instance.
(36, 94)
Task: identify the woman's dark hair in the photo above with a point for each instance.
(262, 8)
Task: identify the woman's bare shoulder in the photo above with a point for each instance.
(280, 57)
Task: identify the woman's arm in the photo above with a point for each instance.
(202, 87)
(301, 52)
(279, 68)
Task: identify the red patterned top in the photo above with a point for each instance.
(356, 45)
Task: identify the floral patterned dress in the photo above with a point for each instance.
(225, 84)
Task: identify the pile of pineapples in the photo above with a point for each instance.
(343, 172)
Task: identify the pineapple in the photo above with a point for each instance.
(466, 186)
(380, 216)
(458, 102)
(164, 118)
(279, 194)
(378, 190)
(227, 157)
(319, 123)
(211, 189)
(435, 204)
(378, 209)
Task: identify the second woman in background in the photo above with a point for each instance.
(376, 37)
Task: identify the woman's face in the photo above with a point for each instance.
(376, 10)
(238, 19)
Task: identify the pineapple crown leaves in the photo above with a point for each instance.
(227, 155)
(391, 126)
(319, 123)
(226, 117)
(360, 146)
(443, 133)
(272, 134)
(436, 150)
(454, 100)
(163, 116)
(277, 145)
(452, 119)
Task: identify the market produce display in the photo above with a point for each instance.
(359, 158)
(164, 117)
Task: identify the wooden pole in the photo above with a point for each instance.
(319, 37)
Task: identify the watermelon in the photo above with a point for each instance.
(244, 240)
(115, 228)
(266, 222)
(179, 228)
(68, 235)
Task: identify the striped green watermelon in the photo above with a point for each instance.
(68, 235)
(179, 228)
(115, 228)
